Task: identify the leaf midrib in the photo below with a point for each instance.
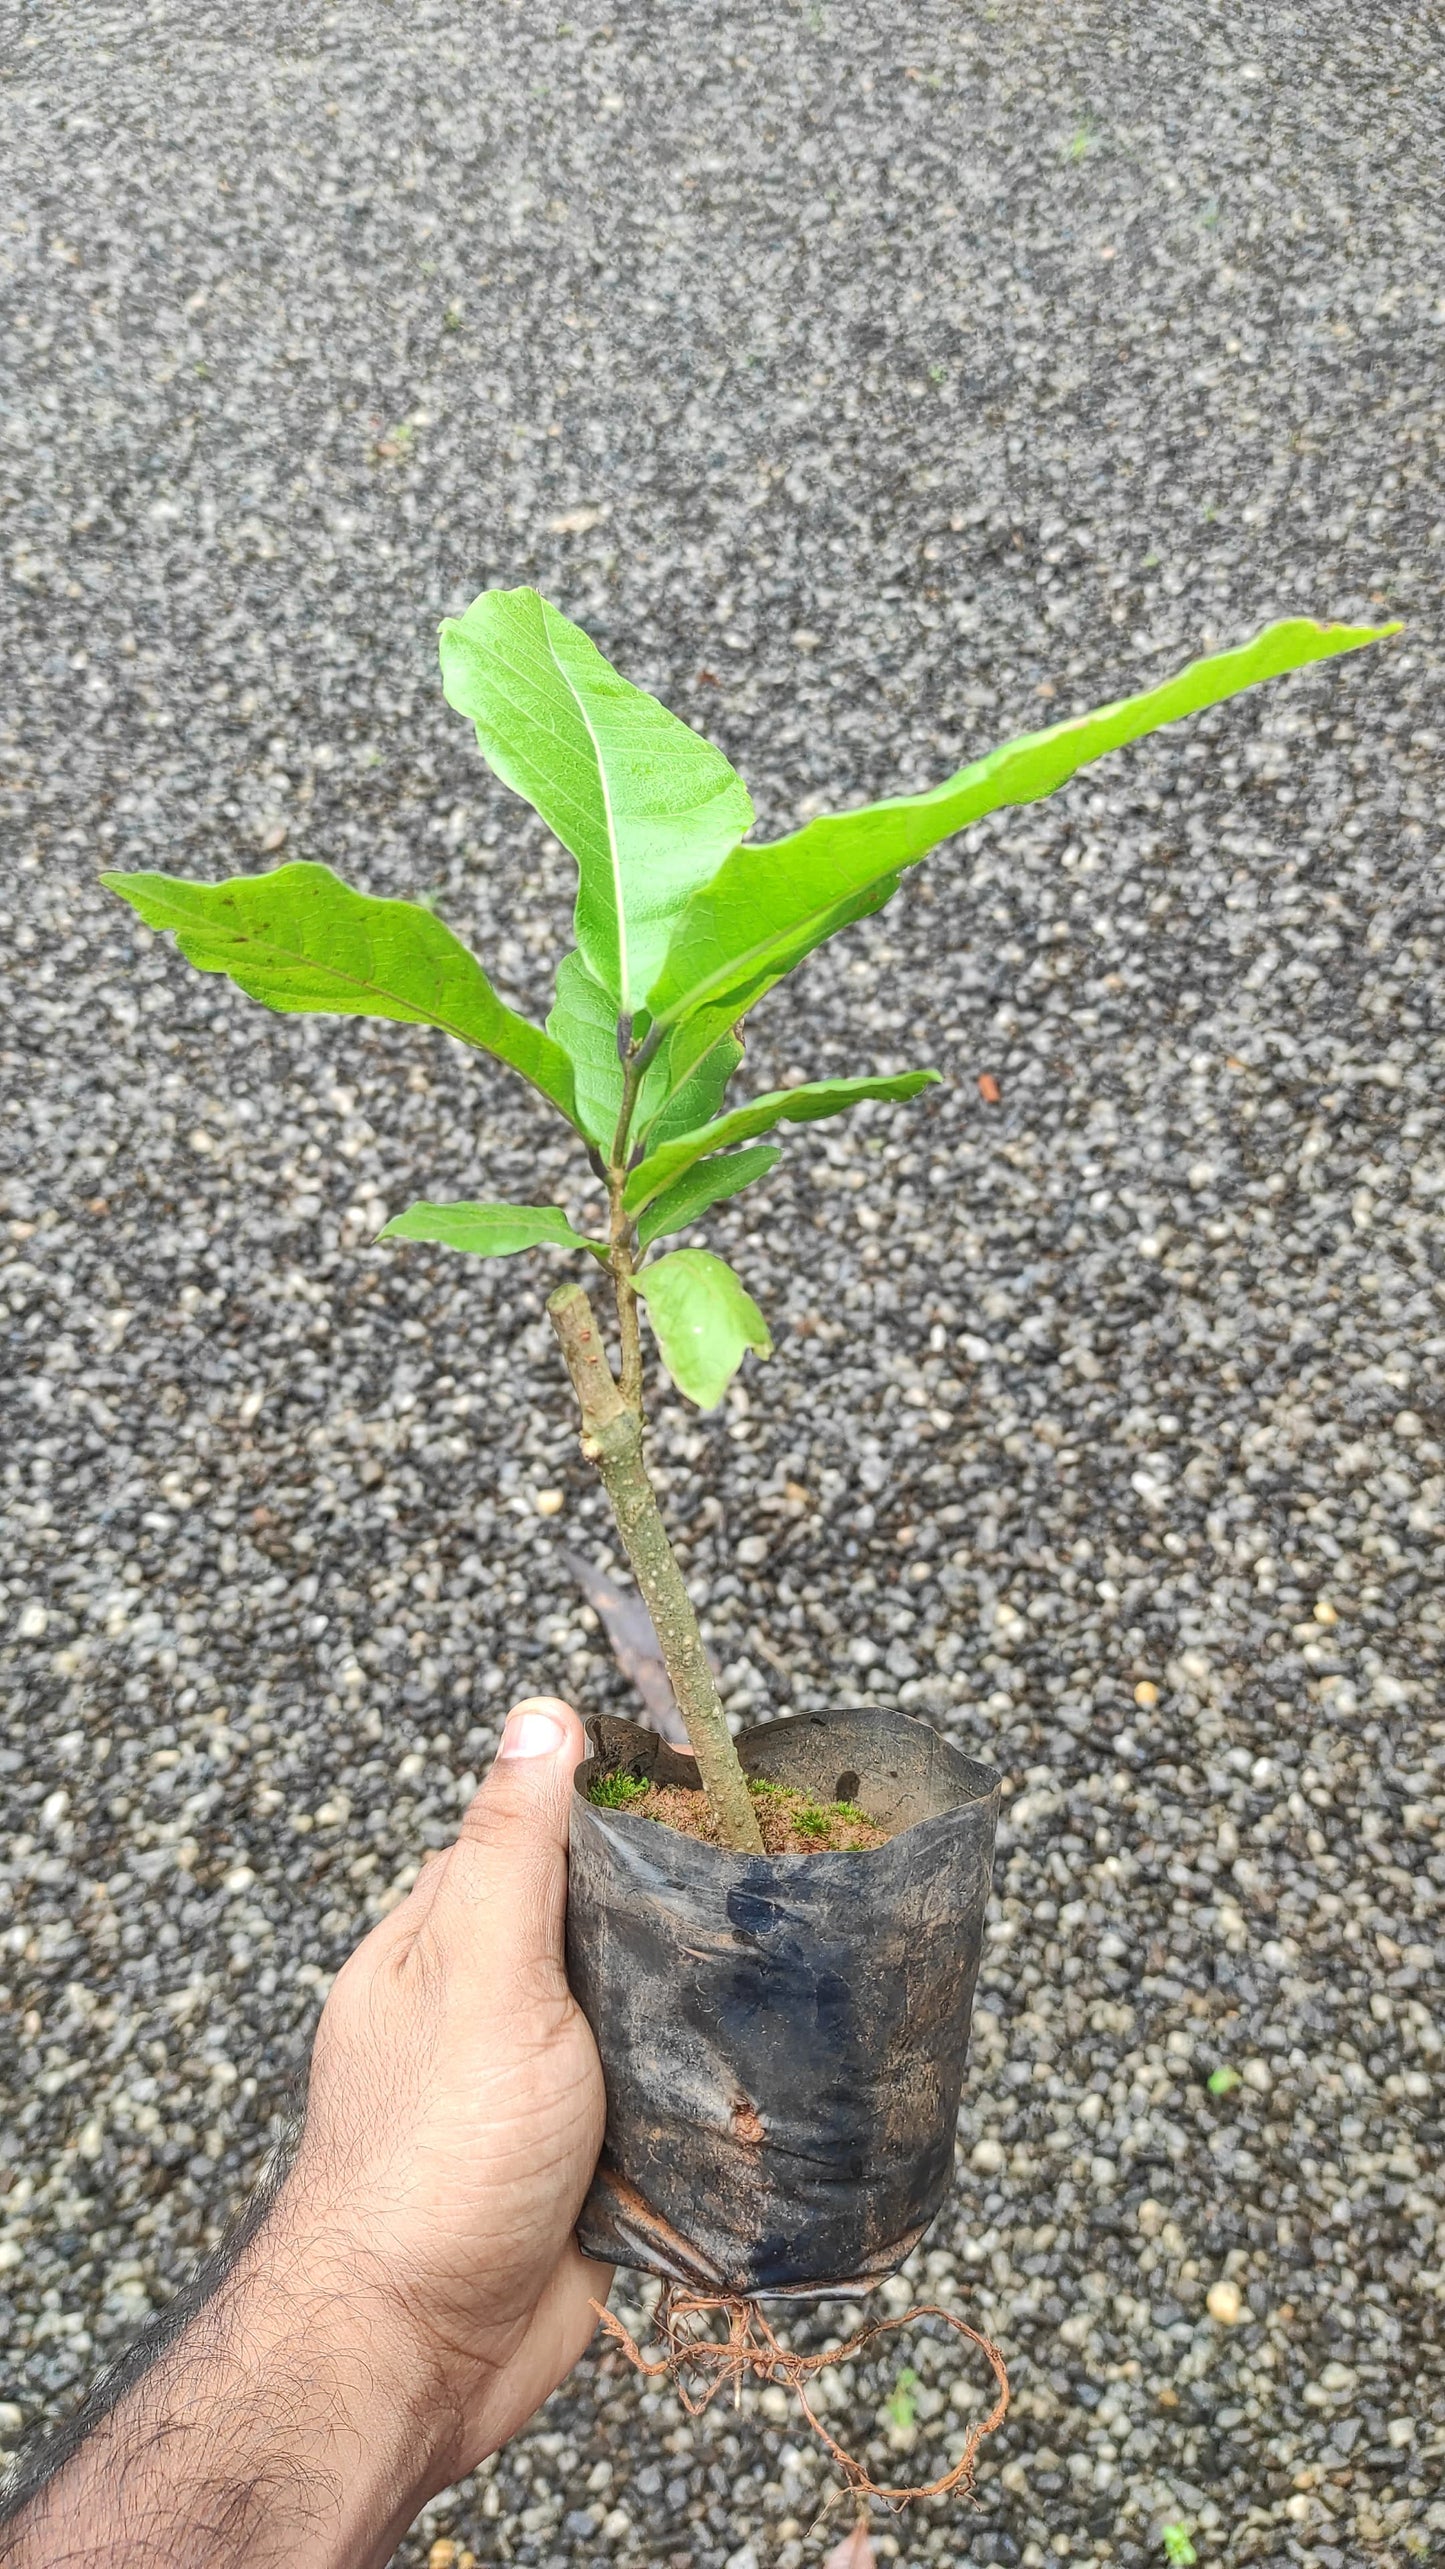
(620, 915)
(524, 678)
(359, 981)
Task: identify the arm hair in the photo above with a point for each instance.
(50, 2449)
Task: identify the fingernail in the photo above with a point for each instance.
(531, 1734)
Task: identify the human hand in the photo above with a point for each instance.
(456, 2107)
(415, 2291)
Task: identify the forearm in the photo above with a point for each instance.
(290, 2422)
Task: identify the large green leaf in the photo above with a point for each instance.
(703, 1320)
(648, 809)
(709, 1182)
(302, 941)
(490, 1230)
(769, 906)
(805, 1105)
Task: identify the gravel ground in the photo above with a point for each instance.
(867, 384)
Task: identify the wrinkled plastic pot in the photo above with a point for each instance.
(783, 2038)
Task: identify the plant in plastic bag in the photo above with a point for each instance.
(683, 923)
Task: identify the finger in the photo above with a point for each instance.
(505, 1882)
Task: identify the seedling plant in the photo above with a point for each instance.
(683, 924)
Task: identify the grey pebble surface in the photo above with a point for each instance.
(873, 385)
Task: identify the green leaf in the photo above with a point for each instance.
(788, 950)
(490, 1230)
(710, 1182)
(768, 906)
(780, 1106)
(703, 1320)
(583, 1020)
(684, 1088)
(300, 940)
(1222, 2081)
(647, 808)
(681, 1088)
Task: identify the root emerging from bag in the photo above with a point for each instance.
(792, 1823)
(699, 2366)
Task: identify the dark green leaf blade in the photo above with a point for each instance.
(490, 1230)
(704, 1321)
(302, 941)
(708, 1182)
(769, 906)
(805, 1105)
(648, 809)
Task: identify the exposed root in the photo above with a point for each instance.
(699, 2366)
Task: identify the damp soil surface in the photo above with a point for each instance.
(792, 1823)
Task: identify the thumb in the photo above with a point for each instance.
(503, 1888)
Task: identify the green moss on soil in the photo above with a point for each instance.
(792, 1822)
